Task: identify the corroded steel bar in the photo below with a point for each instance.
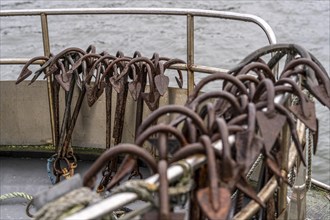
(45, 40)
(190, 53)
(195, 68)
(283, 190)
(11, 61)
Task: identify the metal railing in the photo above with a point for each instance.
(190, 67)
(189, 13)
(174, 172)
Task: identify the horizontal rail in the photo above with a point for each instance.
(148, 11)
(189, 13)
(195, 68)
(320, 184)
(176, 171)
(14, 61)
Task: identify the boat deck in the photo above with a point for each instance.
(29, 175)
(318, 203)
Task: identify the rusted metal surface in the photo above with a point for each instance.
(73, 67)
(246, 108)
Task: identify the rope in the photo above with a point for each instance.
(179, 191)
(308, 181)
(309, 165)
(255, 164)
(18, 194)
(248, 175)
(186, 184)
(309, 153)
(292, 175)
(142, 189)
(182, 189)
(67, 204)
(15, 195)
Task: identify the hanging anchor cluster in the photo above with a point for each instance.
(246, 109)
(93, 73)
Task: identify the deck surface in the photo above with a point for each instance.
(318, 204)
(30, 176)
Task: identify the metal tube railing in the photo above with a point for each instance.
(190, 52)
(190, 13)
(46, 45)
(147, 11)
(175, 171)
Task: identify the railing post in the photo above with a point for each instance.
(190, 53)
(283, 189)
(46, 45)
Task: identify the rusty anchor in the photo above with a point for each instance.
(257, 67)
(160, 128)
(282, 110)
(170, 62)
(173, 109)
(233, 173)
(217, 76)
(214, 201)
(52, 62)
(227, 100)
(270, 122)
(118, 121)
(247, 144)
(230, 98)
(90, 175)
(161, 81)
(283, 48)
(305, 111)
(25, 72)
(319, 86)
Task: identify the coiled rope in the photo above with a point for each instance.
(142, 189)
(15, 195)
